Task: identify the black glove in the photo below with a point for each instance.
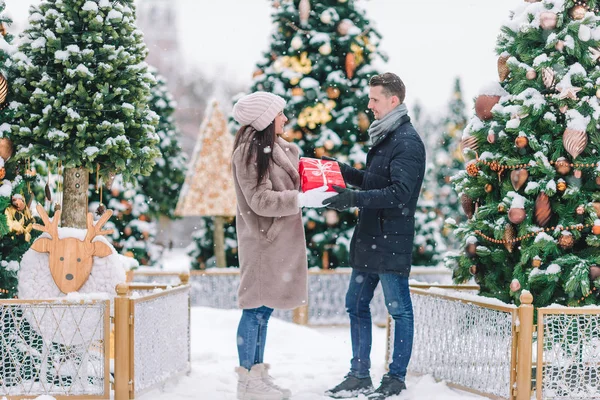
(343, 167)
(344, 200)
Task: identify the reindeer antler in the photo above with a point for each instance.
(51, 227)
(95, 230)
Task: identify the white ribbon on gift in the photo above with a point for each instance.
(321, 169)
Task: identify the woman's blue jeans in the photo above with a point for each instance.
(252, 336)
(397, 299)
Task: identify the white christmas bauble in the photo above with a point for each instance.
(326, 17)
(585, 33)
(325, 49)
(344, 27)
(297, 42)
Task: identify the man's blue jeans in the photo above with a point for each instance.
(397, 299)
(252, 336)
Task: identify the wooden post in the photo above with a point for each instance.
(75, 198)
(524, 347)
(122, 350)
(300, 316)
(219, 241)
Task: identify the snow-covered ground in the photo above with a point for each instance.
(306, 360)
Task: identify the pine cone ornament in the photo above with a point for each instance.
(510, 235)
(472, 168)
(548, 76)
(543, 211)
(503, 69)
(574, 141)
(468, 205)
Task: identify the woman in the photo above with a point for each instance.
(271, 242)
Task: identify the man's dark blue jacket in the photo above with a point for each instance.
(390, 186)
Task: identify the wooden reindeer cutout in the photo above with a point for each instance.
(71, 259)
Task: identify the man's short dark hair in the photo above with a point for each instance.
(391, 83)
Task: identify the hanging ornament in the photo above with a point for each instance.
(537, 262)
(596, 208)
(468, 142)
(503, 70)
(258, 72)
(473, 269)
(510, 235)
(325, 49)
(363, 121)
(344, 26)
(297, 91)
(484, 105)
(501, 207)
(491, 137)
(472, 169)
(574, 141)
(564, 109)
(516, 215)
(468, 205)
(580, 210)
(595, 54)
(101, 209)
(598, 180)
(350, 65)
(548, 77)
(515, 285)
(297, 43)
(560, 45)
(569, 93)
(577, 174)
(326, 17)
(521, 142)
(561, 186)
(3, 92)
(2, 173)
(598, 93)
(18, 217)
(304, 11)
(566, 240)
(471, 249)
(548, 20)
(577, 12)
(518, 177)
(488, 188)
(543, 210)
(531, 74)
(594, 272)
(6, 148)
(332, 92)
(562, 166)
(596, 227)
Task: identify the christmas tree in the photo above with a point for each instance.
(448, 160)
(208, 192)
(320, 61)
(531, 185)
(81, 95)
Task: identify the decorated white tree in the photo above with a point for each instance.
(208, 189)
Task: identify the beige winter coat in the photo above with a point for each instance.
(271, 242)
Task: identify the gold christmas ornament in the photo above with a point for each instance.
(363, 121)
(531, 74)
(580, 210)
(304, 11)
(297, 91)
(578, 12)
(561, 186)
(2, 172)
(3, 29)
(484, 105)
(521, 142)
(518, 178)
(548, 20)
(6, 148)
(350, 65)
(333, 92)
(574, 141)
(566, 240)
(594, 272)
(472, 168)
(543, 211)
(596, 229)
(562, 166)
(473, 269)
(548, 76)
(488, 188)
(501, 208)
(536, 263)
(516, 215)
(509, 237)
(468, 205)
(503, 70)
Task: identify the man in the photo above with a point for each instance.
(381, 247)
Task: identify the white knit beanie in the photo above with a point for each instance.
(258, 109)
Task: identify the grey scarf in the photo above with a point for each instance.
(387, 123)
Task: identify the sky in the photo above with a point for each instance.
(429, 42)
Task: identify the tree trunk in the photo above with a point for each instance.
(219, 241)
(75, 198)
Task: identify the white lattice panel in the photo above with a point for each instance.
(54, 349)
(465, 344)
(161, 334)
(571, 356)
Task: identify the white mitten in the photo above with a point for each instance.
(314, 198)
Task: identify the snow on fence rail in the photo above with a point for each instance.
(217, 288)
(568, 362)
(152, 336)
(54, 347)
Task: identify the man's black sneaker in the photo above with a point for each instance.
(351, 387)
(390, 386)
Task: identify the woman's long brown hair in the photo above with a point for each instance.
(259, 145)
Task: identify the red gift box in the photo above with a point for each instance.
(315, 173)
